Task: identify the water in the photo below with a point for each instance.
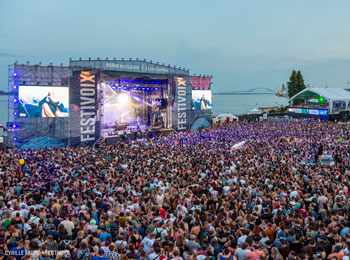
(235, 104)
(240, 104)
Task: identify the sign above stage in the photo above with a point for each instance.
(135, 66)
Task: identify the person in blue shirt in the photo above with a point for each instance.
(100, 255)
(104, 235)
(17, 250)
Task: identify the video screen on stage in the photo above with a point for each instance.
(201, 99)
(43, 101)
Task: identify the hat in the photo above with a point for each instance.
(93, 222)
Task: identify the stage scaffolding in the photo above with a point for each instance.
(33, 75)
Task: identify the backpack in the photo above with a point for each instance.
(159, 233)
(85, 255)
(64, 245)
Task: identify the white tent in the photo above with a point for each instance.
(225, 117)
(332, 95)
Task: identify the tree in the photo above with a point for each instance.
(296, 83)
(292, 86)
(300, 82)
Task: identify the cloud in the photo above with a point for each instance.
(7, 55)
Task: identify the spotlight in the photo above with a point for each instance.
(14, 125)
(15, 100)
(14, 87)
(14, 138)
(15, 74)
(147, 88)
(15, 113)
(143, 88)
(123, 98)
(136, 98)
(157, 89)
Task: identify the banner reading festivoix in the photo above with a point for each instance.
(85, 129)
(182, 105)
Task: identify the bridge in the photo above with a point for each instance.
(258, 90)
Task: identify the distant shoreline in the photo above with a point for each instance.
(241, 93)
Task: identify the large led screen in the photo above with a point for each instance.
(43, 101)
(201, 99)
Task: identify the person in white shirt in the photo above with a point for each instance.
(241, 240)
(148, 242)
(294, 194)
(24, 211)
(68, 225)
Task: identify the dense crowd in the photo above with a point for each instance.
(183, 196)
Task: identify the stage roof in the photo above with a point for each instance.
(131, 66)
(327, 93)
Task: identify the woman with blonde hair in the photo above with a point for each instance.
(275, 254)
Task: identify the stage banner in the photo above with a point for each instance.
(83, 100)
(182, 105)
(200, 82)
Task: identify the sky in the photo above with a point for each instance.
(243, 44)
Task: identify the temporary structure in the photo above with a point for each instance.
(225, 117)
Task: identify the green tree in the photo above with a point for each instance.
(292, 86)
(300, 82)
(296, 83)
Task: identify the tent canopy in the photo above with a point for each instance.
(327, 93)
(224, 116)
